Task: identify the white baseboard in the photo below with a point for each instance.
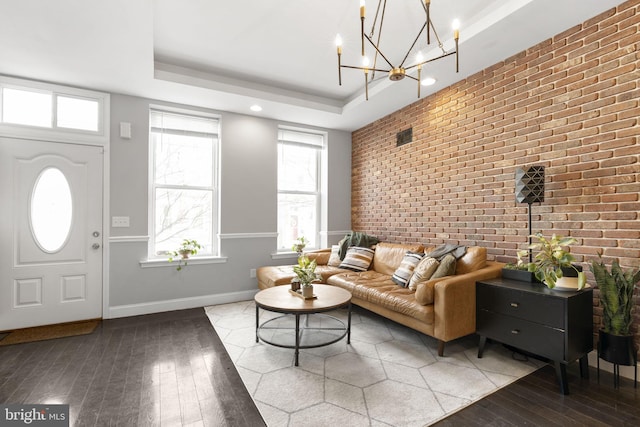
(625, 371)
(177, 304)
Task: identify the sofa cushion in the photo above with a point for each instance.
(357, 259)
(447, 267)
(321, 256)
(334, 258)
(404, 272)
(474, 259)
(423, 272)
(388, 256)
(379, 289)
(425, 292)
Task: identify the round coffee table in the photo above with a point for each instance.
(316, 331)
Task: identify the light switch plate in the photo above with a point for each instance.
(119, 221)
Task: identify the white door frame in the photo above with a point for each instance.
(100, 138)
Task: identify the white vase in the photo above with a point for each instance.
(307, 291)
(567, 283)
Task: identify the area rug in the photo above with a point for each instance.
(389, 375)
(41, 333)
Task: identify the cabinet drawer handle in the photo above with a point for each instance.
(514, 304)
(515, 331)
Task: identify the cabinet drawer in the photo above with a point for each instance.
(538, 308)
(523, 334)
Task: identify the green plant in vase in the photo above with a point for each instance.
(553, 263)
(306, 274)
(299, 245)
(616, 287)
(616, 295)
(186, 249)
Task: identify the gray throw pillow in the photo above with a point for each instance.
(447, 267)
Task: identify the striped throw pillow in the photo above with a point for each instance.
(405, 271)
(357, 259)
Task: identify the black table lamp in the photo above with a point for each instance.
(529, 190)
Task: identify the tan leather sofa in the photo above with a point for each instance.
(444, 308)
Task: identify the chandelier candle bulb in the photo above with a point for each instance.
(456, 36)
(362, 8)
(456, 29)
(339, 47)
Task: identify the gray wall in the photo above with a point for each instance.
(248, 161)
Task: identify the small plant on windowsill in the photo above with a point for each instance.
(186, 249)
(299, 245)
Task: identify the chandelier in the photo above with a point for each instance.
(401, 70)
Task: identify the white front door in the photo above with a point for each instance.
(50, 233)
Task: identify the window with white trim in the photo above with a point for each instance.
(299, 166)
(57, 113)
(184, 170)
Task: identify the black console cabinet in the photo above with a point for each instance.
(557, 325)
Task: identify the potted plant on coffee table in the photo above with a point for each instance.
(553, 264)
(616, 287)
(306, 275)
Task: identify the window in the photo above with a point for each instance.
(34, 108)
(299, 157)
(184, 164)
(37, 110)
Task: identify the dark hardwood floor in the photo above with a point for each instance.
(160, 369)
(535, 400)
(172, 369)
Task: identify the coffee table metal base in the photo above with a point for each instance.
(313, 330)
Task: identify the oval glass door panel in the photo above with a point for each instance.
(51, 210)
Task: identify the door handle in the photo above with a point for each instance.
(95, 246)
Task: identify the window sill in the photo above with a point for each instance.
(152, 263)
(284, 255)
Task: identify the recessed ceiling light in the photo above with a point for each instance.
(428, 81)
(255, 108)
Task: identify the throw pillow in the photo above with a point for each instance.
(334, 259)
(447, 267)
(404, 272)
(423, 272)
(357, 259)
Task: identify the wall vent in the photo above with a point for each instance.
(404, 137)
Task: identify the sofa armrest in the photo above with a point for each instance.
(455, 302)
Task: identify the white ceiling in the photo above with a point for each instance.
(228, 55)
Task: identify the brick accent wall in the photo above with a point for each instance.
(570, 103)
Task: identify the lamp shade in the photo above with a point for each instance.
(530, 184)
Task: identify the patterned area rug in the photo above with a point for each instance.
(389, 375)
(49, 332)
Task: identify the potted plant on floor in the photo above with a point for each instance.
(306, 275)
(553, 264)
(616, 287)
(186, 249)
